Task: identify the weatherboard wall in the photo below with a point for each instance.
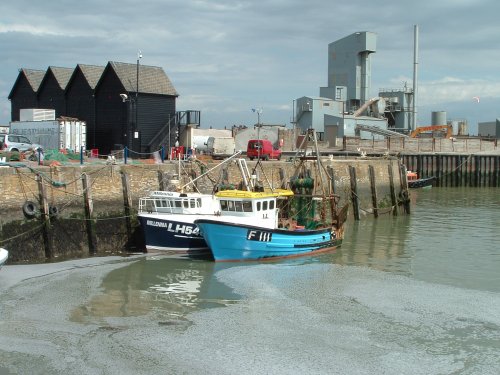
(22, 96)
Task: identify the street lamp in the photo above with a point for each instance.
(258, 111)
(136, 127)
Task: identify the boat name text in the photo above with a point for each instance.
(176, 228)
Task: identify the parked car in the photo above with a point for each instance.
(263, 149)
(14, 142)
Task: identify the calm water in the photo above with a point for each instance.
(416, 294)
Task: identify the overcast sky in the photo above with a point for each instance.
(226, 57)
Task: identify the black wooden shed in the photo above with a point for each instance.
(24, 91)
(131, 114)
(51, 91)
(80, 97)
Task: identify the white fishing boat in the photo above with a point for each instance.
(167, 219)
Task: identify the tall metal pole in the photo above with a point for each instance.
(415, 69)
(136, 127)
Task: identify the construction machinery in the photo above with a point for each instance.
(432, 128)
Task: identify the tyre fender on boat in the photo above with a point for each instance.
(30, 209)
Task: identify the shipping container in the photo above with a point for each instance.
(58, 134)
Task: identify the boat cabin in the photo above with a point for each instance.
(263, 206)
(411, 176)
(177, 203)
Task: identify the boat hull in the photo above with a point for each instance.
(238, 242)
(172, 235)
(4, 255)
(421, 182)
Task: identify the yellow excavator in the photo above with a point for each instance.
(422, 129)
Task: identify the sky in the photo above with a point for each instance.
(225, 57)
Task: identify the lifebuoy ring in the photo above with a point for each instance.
(53, 211)
(30, 209)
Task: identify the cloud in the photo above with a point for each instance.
(225, 56)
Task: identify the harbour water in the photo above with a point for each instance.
(417, 294)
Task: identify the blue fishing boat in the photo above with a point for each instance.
(257, 226)
(267, 223)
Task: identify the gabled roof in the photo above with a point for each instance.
(62, 75)
(92, 74)
(152, 79)
(33, 76)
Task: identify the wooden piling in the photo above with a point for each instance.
(405, 195)
(127, 205)
(45, 218)
(89, 210)
(354, 192)
(394, 201)
(331, 173)
(162, 180)
(373, 186)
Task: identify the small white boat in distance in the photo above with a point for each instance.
(4, 254)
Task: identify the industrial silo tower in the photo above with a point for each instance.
(349, 69)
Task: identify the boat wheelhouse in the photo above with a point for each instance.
(167, 219)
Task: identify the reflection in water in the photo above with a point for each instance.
(165, 287)
(449, 238)
(377, 243)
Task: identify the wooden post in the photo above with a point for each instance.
(331, 172)
(127, 205)
(371, 171)
(394, 201)
(354, 192)
(459, 170)
(282, 178)
(45, 218)
(476, 171)
(405, 195)
(162, 180)
(438, 169)
(89, 210)
(496, 174)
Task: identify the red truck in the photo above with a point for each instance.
(263, 149)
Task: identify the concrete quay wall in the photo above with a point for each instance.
(70, 230)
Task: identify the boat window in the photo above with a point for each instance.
(178, 203)
(247, 206)
(238, 206)
(271, 205)
(230, 205)
(198, 201)
(192, 203)
(223, 205)
(258, 206)
(264, 206)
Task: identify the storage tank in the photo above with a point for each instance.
(439, 118)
